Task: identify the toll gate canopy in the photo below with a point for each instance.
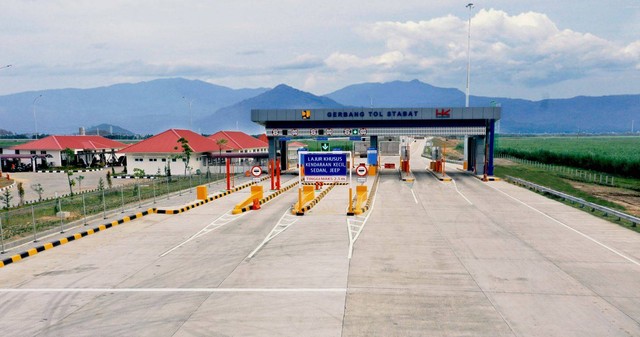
(477, 123)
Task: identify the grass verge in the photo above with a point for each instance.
(553, 181)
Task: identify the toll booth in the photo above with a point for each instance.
(475, 123)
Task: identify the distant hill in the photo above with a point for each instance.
(238, 116)
(4, 132)
(579, 114)
(145, 107)
(108, 130)
(154, 106)
(397, 94)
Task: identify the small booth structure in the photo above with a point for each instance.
(16, 162)
(477, 124)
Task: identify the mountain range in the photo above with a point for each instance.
(154, 106)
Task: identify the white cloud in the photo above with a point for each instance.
(321, 47)
(528, 48)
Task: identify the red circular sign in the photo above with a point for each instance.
(361, 170)
(256, 171)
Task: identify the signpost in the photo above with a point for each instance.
(256, 171)
(362, 171)
(325, 167)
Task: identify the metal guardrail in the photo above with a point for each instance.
(607, 211)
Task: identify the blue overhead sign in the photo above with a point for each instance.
(328, 167)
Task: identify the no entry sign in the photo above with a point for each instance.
(361, 170)
(256, 171)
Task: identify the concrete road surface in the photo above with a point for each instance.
(464, 258)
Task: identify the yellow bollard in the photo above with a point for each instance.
(201, 192)
(350, 200)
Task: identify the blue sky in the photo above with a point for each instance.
(529, 49)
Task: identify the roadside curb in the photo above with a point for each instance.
(8, 187)
(374, 189)
(315, 200)
(269, 197)
(74, 237)
(202, 202)
(64, 171)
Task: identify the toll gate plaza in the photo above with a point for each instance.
(477, 124)
(337, 245)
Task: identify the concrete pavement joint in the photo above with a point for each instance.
(173, 290)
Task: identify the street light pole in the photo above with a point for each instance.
(34, 114)
(470, 6)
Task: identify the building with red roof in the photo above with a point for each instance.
(240, 142)
(162, 152)
(87, 149)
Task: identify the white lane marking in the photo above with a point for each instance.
(414, 196)
(355, 226)
(173, 290)
(215, 224)
(456, 186)
(570, 228)
(286, 220)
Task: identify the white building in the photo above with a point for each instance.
(164, 151)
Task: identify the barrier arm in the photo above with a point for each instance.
(257, 193)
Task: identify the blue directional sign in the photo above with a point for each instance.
(322, 138)
(327, 167)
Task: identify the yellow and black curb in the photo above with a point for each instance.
(367, 205)
(77, 236)
(317, 199)
(269, 197)
(209, 199)
(488, 178)
(439, 176)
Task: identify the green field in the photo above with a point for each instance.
(4, 143)
(614, 155)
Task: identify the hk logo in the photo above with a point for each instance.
(306, 114)
(442, 113)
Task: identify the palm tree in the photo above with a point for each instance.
(221, 142)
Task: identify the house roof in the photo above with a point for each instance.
(71, 142)
(296, 144)
(238, 140)
(263, 137)
(167, 142)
